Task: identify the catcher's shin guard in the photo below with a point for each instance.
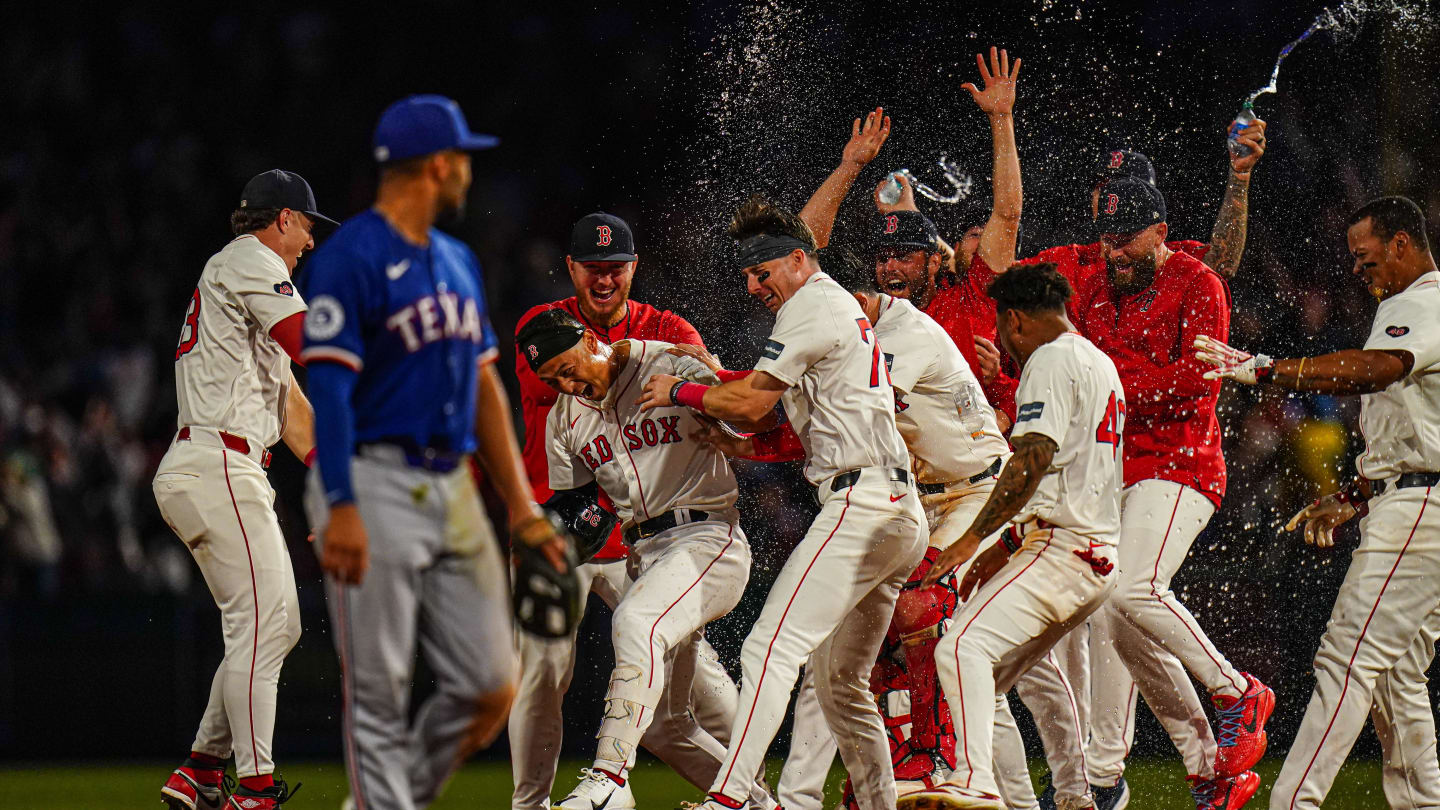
(920, 616)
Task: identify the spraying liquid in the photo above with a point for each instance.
(962, 185)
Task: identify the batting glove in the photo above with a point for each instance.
(1231, 363)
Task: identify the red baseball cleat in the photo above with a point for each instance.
(920, 770)
(1223, 793)
(184, 790)
(1240, 738)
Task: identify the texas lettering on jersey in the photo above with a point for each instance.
(436, 317)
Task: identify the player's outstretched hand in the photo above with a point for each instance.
(710, 432)
(987, 565)
(998, 97)
(989, 358)
(1252, 136)
(345, 552)
(656, 393)
(866, 138)
(951, 557)
(698, 353)
(907, 195)
(1321, 518)
(540, 534)
(1230, 363)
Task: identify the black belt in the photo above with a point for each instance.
(665, 522)
(434, 459)
(936, 489)
(1420, 479)
(847, 479)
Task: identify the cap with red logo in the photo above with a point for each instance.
(1128, 205)
(907, 229)
(601, 237)
(1123, 163)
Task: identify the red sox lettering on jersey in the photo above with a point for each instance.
(645, 433)
(436, 317)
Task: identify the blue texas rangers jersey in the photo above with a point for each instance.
(410, 320)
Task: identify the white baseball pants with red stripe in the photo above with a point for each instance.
(1005, 628)
(687, 725)
(832, 604)
(1144, 640)
(1372, 660)
(220, 503)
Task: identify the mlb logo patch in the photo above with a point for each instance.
(1397, 331)
(285, 288)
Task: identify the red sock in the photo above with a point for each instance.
(205, 761)
(257, 783)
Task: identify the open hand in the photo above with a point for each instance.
(1230, 363)
(987, 565)
(1252, 136)
(867, 138)
(950, 558)
(998, 97)
(536, 531)
(656, 393)
(1320, 519)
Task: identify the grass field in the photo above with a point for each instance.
(1157, 785)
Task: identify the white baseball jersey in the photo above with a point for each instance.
(1069, 391)
(940, 408)
(1401, 424)
(646, 462)
(840, 403)
(229, 373)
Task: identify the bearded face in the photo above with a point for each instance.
(1131, 276)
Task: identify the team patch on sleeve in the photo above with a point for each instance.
(772, 350)
(1030, 410)
(325, 320)
(285, 288)
(1397, 331)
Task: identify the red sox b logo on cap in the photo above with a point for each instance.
(892, 223)
(1112, 203)
(602, 237)
(1116, 158)
(533, 350)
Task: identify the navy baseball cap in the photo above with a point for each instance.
(910, 229)
(1129, 205)
(282, 189)
(602, 237)
(1123, 163)
(424, 125)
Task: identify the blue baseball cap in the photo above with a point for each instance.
(424, 125)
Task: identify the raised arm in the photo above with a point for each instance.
(1227, 239)
(865, 142)
(997, 100)
(1351, 371)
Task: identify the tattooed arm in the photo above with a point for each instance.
(1227, 240)
(1017, 482)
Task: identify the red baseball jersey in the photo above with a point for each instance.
(964, 310)
(642, 322)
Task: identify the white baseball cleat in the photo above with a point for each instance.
(598, 790)
(946, 796)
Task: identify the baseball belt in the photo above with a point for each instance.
(1406, 480)
(239, 444)
(846, 480)
(936, 489)
(434, 459)
(665, 522)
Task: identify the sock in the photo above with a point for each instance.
(257, 783)
(204, 762)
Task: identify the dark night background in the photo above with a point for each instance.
(130, 129)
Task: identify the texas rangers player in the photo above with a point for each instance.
(237, 397)
(1061, 489)
(401, 355)
(676, 499)
(602, 264)
(834, 597)
(1381, 634)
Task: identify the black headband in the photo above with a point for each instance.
(763, 247)
(557, 339)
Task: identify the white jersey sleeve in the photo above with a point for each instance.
(1401, 424)
(565, 473)
(262, 288)
(800, 339)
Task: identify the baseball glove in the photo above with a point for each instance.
(580, 514)
(546, 601)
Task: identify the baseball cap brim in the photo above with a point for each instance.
(606, 257)
(319, 217)
(475, 141)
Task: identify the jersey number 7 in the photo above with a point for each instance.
(867, 334)
(1112, 425)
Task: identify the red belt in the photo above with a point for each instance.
(239, 444)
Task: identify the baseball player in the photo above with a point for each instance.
(1381, 636)
(676, 499)
(602, 264)
(237, 397)
(1061, 489)
(401, 360)
(835, 595)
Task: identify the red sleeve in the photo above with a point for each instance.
(1194, 248)
(679, 330)
(1001, 393)
(1156, 390)
(536, 398)
(727, 375)
(780, 444)
(289, 333)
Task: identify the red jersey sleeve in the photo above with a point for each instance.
(679, 330)
(1169, 391)
(780, 444)
(1194, 248)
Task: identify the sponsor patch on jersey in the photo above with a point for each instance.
(1030, 410)
(772, 350)
(325, 319)
(1397, 331)
(285, 288)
